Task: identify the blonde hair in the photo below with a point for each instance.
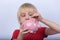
(25, 5)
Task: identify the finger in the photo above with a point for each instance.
(31, 31)
(26, 32)
(35, 16)
(23, 30)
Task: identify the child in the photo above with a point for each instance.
(29, 12)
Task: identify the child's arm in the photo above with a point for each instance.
(53, 27)
(21, 34)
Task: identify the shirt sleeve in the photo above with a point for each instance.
(15, 34)
(43, 29)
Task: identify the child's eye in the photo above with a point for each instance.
(23, 15)
(30, 14)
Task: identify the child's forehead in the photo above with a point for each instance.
(27, 10)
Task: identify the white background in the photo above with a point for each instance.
(49, 9)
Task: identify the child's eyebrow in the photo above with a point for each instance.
(31, 12)
(22, 13)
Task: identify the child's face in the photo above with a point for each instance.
(26, 14)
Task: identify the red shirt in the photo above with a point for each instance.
(39, 35)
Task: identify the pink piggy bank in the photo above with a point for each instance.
(31, 25)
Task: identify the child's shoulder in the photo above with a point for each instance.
(16, 31)
(42, 28)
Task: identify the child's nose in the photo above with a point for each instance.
(27, 17)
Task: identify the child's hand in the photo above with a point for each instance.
(37, 16)
(23, 32)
